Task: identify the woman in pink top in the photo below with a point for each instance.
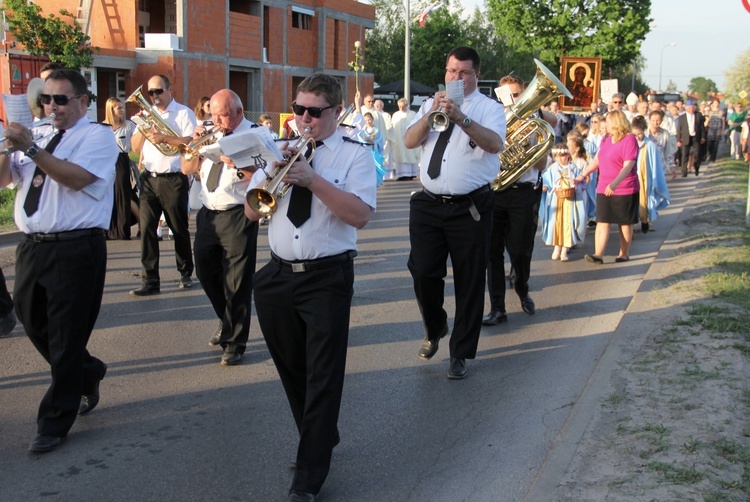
(617, 186)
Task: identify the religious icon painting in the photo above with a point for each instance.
(581, 76)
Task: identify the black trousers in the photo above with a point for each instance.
(122, 216)
(58, 292)
(170, 195)
(691, 148)
(438, 230)
(713, 148)
(304, 317)
(515, 217)
(6, 302)
(225, 248)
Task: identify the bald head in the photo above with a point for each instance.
(226, 109)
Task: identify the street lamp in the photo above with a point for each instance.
(661, 60)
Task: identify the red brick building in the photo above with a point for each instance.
(261, 49)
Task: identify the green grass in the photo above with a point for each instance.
(676, 473)
(7, 196)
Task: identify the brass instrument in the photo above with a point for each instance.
(438, 120)
(349, 109)
(264, 200)
(191, 150)
(35, 136)
(152, 120)
(521, 153)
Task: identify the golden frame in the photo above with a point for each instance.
(584, 89)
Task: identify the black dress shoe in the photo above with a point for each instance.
(430, 346)
(215, 340)
(457, 368)
(527, 304)
(644, 228)
(297, 496)
(43, 443)
(89, 401)
(186, 282)
(494, 317)
(148, 288)
(231, 358)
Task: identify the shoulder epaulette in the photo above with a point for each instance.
(350, 140)
(100, 123)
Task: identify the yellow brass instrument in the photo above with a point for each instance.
(349, 109)
(521, 153)
(35, 136)
(264, 200)
(153, 120)
(192, 149)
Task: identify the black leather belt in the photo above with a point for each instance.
(316, 264)
(65, 236)
(452, 199)
(162, 175)
(527, 184)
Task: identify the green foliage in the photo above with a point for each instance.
(610, 29)
(7, 198)
(671, 87)
(702, 87)
(59, 39)
(738, 76)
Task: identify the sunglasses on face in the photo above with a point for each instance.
(313, 111)
(617, 102)
(60, 99)
(157, 92)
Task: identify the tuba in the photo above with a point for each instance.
(521, 153)
(264, 200)
(152, 120)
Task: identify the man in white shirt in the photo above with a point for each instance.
(164, 187)
(63, 207)
(225, 240)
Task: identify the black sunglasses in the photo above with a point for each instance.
(313, 111)
(60, 99)
(158, 92)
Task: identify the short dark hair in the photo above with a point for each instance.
(74, 77)
(51, 66)
(322, 84)
(640, 123)
(656, 112)
(463, 53)
(512, 79)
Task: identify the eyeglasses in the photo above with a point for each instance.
(313, 111)
(460, 73)
(60, 99)
(368, 101)
(617, 102)
(158, 92)
(594, 121)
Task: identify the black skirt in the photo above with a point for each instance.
(617, 209)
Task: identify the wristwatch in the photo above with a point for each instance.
(32, 151)
(466, 122)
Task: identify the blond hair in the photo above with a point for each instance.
(620, 125)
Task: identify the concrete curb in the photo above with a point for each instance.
(10, 238)
(553, 470)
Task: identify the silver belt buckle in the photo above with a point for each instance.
(298, 267)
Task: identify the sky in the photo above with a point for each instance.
(709, 36)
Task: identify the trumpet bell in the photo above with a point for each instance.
(261, 201)
(438, 121)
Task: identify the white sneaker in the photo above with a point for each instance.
(556, 253)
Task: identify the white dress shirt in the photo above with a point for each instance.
(182, 120)
(89, 145)
(465, 166)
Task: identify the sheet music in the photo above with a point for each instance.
(454, 90)
(17, 109)
(505, 95)
(254, 147)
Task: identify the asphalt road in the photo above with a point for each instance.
(173, 424)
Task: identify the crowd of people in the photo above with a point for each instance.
(608, 167)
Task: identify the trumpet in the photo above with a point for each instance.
(35, 136)
(192, 149)
(438, 120)
(264, 200)
(344, 114)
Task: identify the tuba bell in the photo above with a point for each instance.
(521, 153)
(152, 120)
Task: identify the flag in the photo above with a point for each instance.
(423, 16)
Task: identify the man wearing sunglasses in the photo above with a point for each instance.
(223, 231)
(164, 188)
(303, 295)
(63, 207)
(452, 215)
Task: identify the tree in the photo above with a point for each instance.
(738, 76)
(671, 86)
(702, 87)
(59, 40)
(610, 29)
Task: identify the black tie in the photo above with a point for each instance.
(433, 170)
(212, 183)
(31, 204)
(298, 210)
